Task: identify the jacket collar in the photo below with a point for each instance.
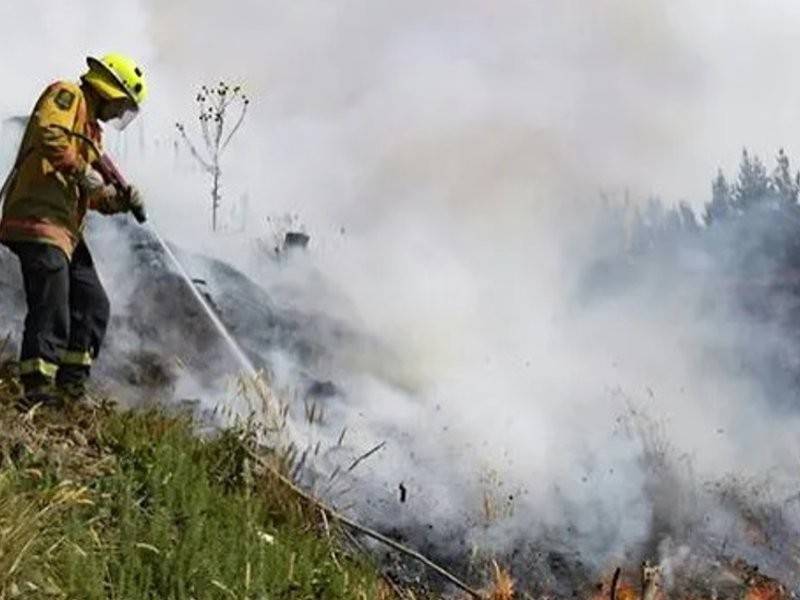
(92, 100)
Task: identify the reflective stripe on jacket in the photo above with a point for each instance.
(43, 202)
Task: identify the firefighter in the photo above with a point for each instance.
(48, 193)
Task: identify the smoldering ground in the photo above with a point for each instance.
(461, 149)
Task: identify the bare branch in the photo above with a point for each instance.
(212, 105)
(206, 134)
(365, 456)
(237, 125)
(192, 148)
(372, 533)
(220, 119)
(204, 109)
(615, 583)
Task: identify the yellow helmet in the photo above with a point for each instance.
(117, 76)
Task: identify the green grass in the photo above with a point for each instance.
(133, 505)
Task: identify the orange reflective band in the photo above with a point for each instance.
(21, 230)
(38, 365)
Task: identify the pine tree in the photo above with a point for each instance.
(689, 222)
(785, 187)
(663, 223)
(721, 206)
(639, 240)
(753, 185)
(672, 223)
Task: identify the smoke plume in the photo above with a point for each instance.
(448, 159)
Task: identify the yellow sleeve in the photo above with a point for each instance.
(56, 111)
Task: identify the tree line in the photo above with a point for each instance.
(756, 199)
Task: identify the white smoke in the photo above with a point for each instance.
(460, 146)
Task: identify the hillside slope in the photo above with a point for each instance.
(100, 503)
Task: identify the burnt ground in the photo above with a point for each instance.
(159, 333)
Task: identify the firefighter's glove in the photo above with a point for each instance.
(136, 205)
(94, 187)
(90, 181)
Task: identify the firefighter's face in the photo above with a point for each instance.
(118, 112)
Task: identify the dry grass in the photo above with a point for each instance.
(28, 522)
(97, 503)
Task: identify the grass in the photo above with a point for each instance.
(97, 503)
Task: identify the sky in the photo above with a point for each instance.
(650, 96)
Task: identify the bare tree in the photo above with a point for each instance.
(214, 104)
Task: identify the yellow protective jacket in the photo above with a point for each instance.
(43, 201)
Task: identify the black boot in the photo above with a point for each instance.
(41, 391)
(71, 382)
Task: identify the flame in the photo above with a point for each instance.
(753, 586)
(502, 586)
(766, 590)
(626, 591)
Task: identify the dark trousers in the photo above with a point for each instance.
(68, 313)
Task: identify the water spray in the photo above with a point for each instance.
(223, 331)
